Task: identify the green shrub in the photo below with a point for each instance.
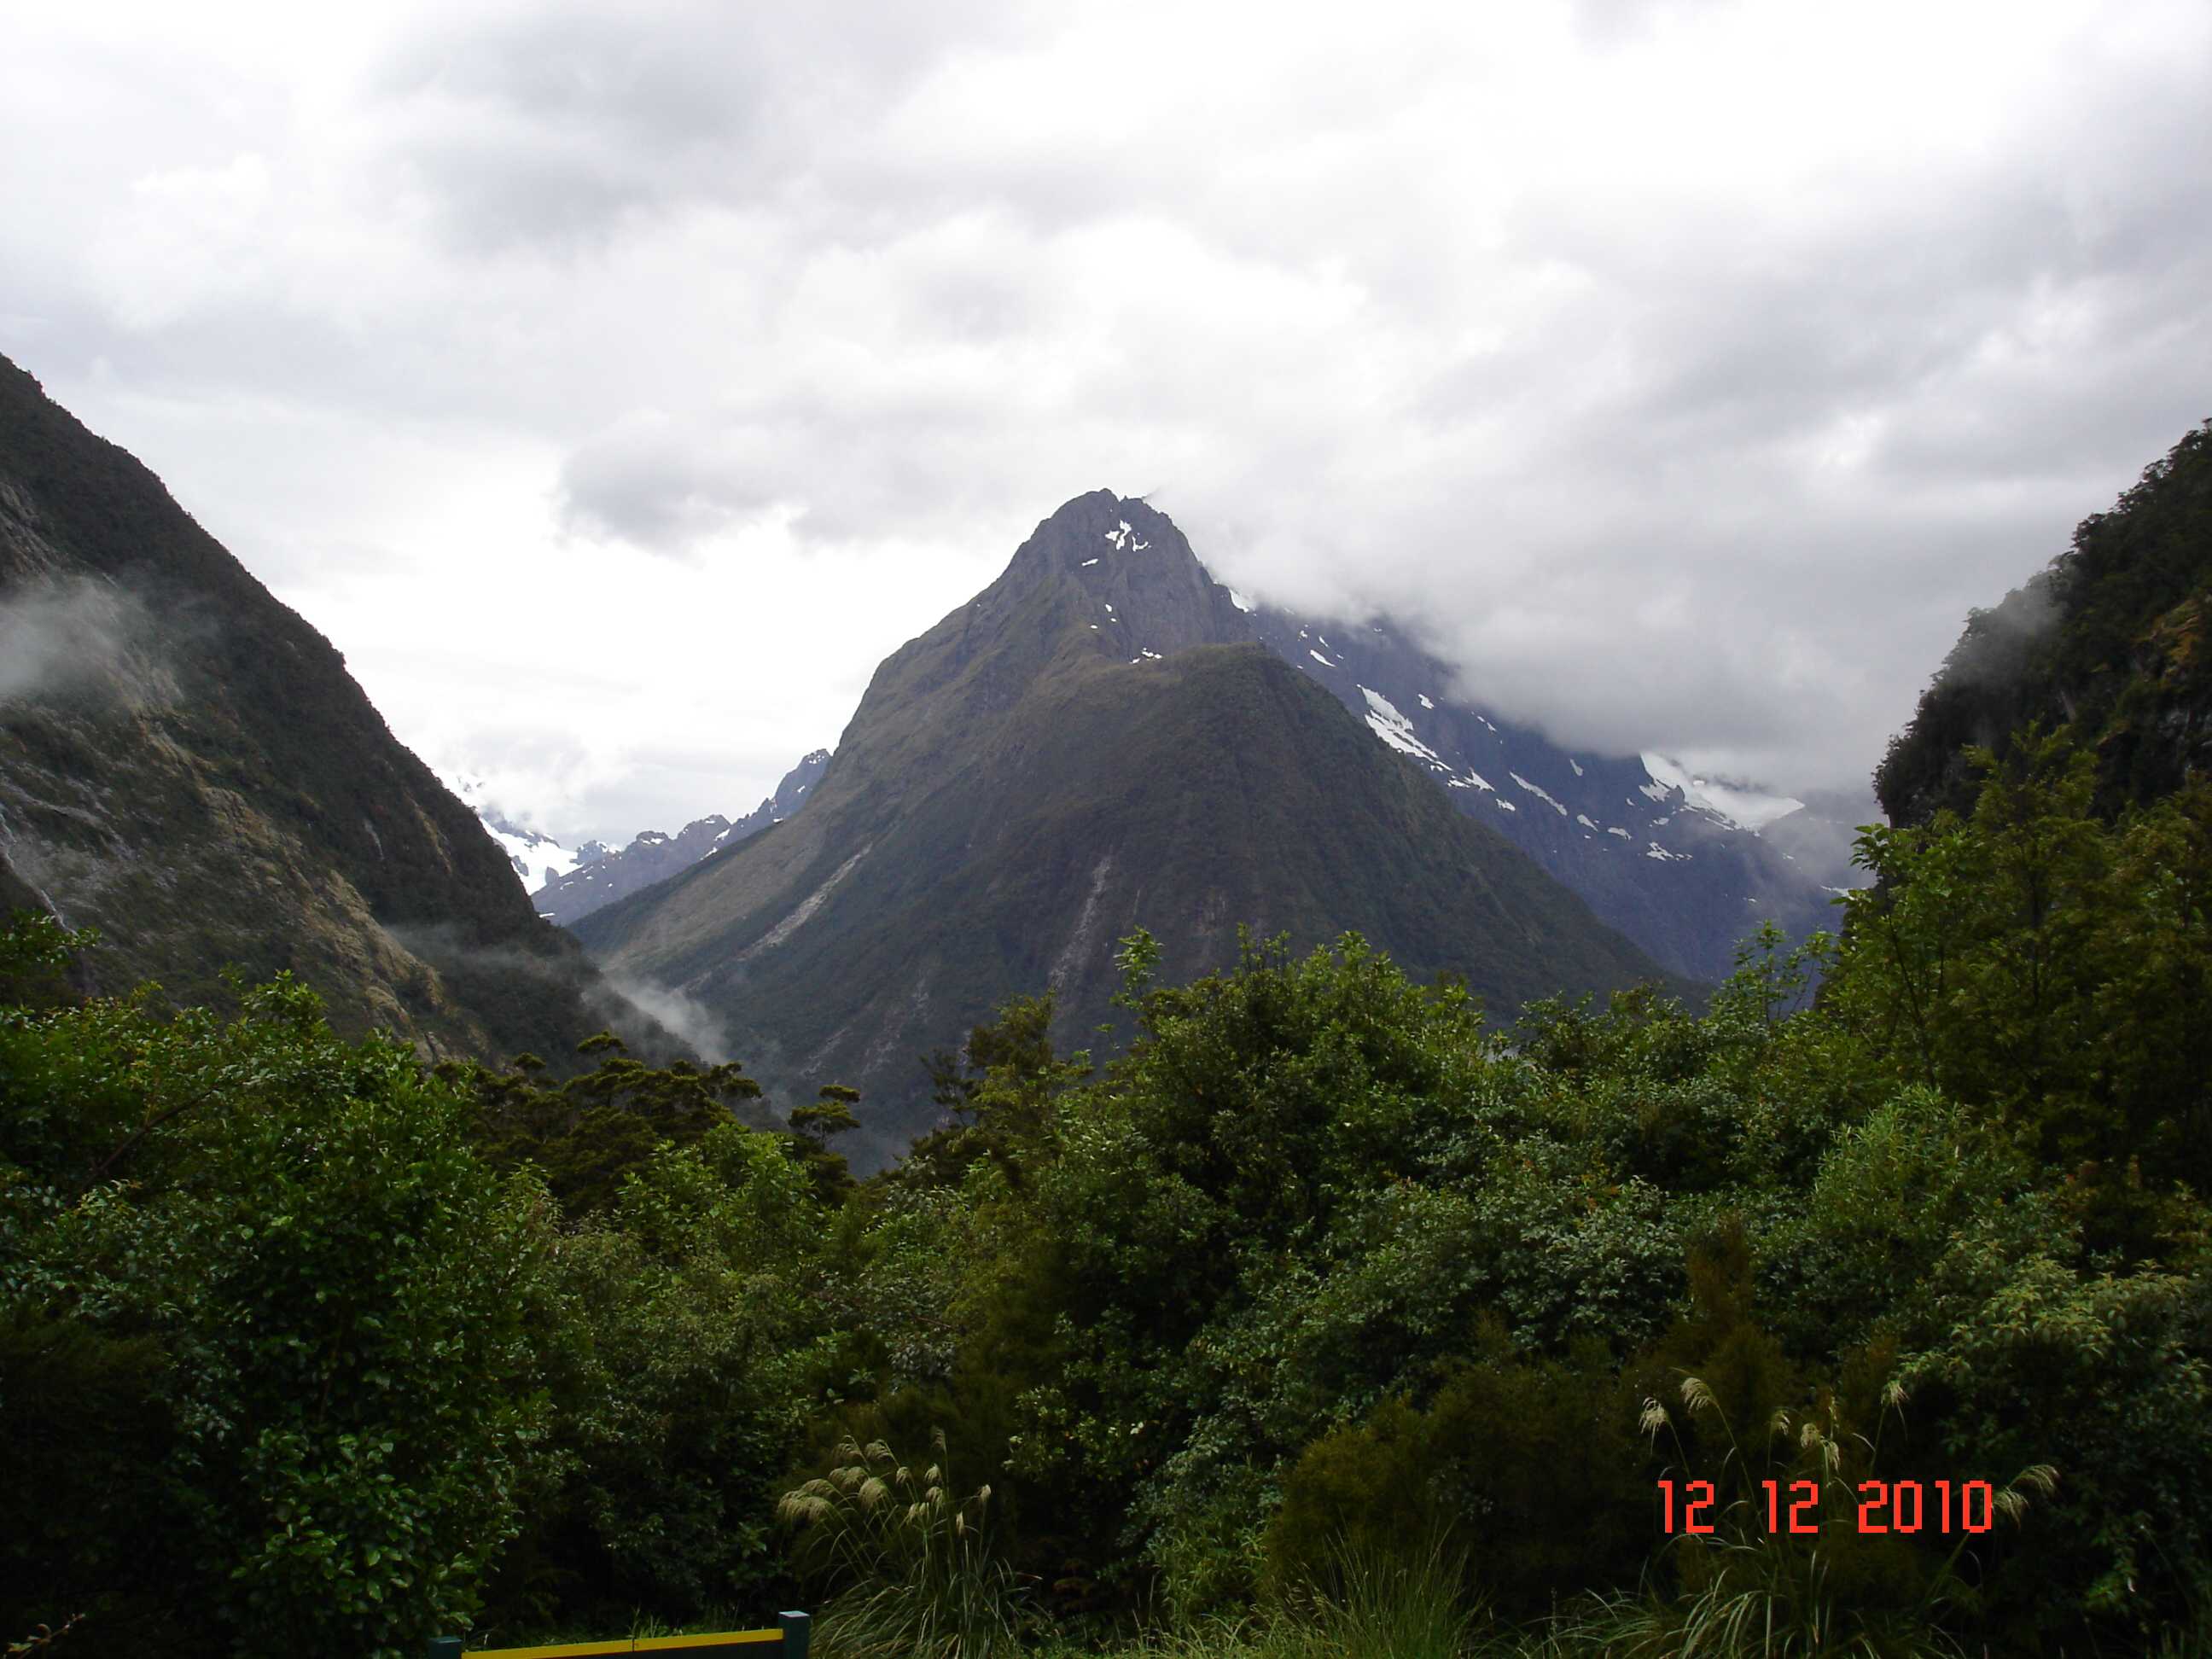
(1522, 1473)
(297, 1287)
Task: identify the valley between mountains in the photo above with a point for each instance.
(1104, 740)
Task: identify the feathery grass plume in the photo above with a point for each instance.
(1697, 1396)
(2012, 1503)
(1744, 1589)
(911, 1569)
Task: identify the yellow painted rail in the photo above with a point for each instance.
(788, 1641)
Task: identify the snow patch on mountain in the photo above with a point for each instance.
(536, 859)
(1745, 807)
(1393, 728)
(1540, 793)
(536, 856)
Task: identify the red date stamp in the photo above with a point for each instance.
(1903, 1506)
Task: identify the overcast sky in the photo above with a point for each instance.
(616, 385)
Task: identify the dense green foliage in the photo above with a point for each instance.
(1325, 1308)
(270, 1259)
(287, 1360)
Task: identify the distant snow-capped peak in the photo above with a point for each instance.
(536, 856)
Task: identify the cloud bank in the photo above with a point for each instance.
(619, 387)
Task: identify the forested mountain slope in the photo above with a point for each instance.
(186, 766)
(2109, 640)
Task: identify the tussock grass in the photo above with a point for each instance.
(916, 1575)
(920, 1583)
(1415, 1610)
(1746, 1591)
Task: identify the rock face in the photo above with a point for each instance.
(1685, 868)
(1095, 744)
(600, 879)
(2111, 640)
(186, 766)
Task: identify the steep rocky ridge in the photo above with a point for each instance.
(1683, 879)
(187, 766)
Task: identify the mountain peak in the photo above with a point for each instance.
(1137, 591)
(1087, 531)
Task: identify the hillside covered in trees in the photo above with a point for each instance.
(2107, 643)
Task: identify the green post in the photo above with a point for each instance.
(796, 1626)
(445, 1647)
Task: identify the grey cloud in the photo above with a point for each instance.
(642, 75)
(617, 999)
(547, 127)
(1607, 24)
(1730, 486)
(503, 190)
(660, 483)
(1839, 447)
(841, 466)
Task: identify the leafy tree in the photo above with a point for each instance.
(998, 1095)
(2045, 965)
(682, 1337)
(586, 1132)
(274, 1257)
(812, 1129)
